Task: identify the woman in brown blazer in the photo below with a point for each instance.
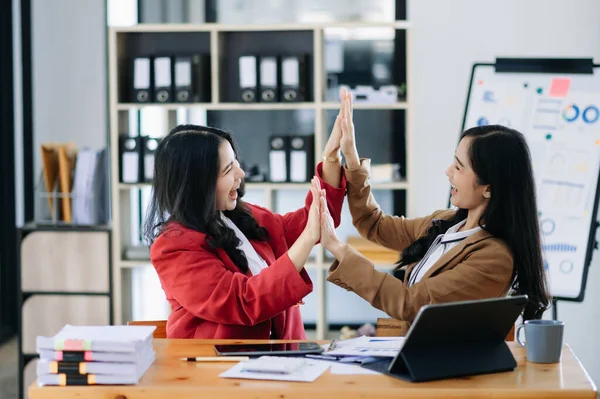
(487, 247)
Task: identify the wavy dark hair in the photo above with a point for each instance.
(186, 167)
(500, 158)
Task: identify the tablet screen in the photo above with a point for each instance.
(294, 348)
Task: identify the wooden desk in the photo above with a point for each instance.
(170, 377)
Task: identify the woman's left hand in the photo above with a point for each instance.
(329, 239)
(332, 148)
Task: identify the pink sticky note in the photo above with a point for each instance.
(559, 87)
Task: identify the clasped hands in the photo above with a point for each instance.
(320, 223)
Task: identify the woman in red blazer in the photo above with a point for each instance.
(231, 269)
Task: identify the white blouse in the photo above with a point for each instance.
(255, 262)
(442, 244)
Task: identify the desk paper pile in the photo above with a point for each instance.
(90, 355)
(344, 357)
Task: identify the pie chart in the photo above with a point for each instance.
(570, 113)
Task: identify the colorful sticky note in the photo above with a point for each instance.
(559, 87)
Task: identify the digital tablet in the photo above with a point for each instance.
(289, 349)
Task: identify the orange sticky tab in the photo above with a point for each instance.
(559, 87)
(92, 379)
(82, 368)
(62, 380)
(53, 367)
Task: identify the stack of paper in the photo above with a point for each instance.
(364, 346)
(349, 354)
(88, 355)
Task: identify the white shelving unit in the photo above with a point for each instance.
(120, 112)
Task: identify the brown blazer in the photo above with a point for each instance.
(479, 267)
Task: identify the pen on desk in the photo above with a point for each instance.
(332, 345)
(323, 357)
(216, 359)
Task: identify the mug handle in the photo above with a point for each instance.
(519, 328)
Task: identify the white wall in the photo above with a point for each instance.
(447, 38)
(18, 118)
(69, 63)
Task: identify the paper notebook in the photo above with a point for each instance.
(125, 339)
(87, 356)
(96, 379)
(131, 368)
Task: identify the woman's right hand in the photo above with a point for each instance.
(300, 250)
(348, 140)
(312, 231)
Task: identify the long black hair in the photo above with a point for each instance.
(186, 167)
(500, 158)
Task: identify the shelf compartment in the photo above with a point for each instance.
(149, 44)
(234, 44)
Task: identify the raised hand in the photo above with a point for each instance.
(313, 225)
(348, 140)
(329, 239)
(332, 147)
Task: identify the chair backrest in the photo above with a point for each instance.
(161, 326)
(398, 328)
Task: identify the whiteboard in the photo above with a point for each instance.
(560, 118)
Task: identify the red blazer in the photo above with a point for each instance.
(211, 298)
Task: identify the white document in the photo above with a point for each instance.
(368, 346)
(350, 369)
(130, 167)
(141, 71)
(268, 72)
(247, 65)
(298, 167)
(162, 72)
(290, 71)
(277, 166)
(99, 338)
(149, 166)
(183, 72)
(308, 373)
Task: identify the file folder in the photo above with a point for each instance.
(142, 83)
(301, 158)
(248, 75)
(268, 79)
(163, 88)
(149, 145)
(192, 78)
(278, 159)
(90, 204)
(129, 159)
(67, 154)
(294, 79)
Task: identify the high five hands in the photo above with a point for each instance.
(329, 239)
(320, 223)
(342, 135)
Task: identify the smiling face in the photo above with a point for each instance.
(466, 193)
(229, 178)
